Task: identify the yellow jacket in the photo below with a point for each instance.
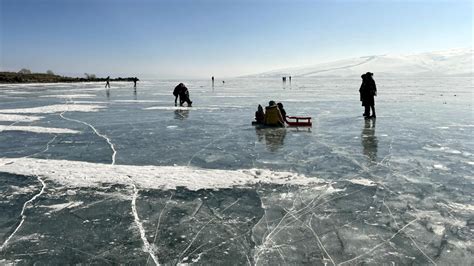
(273, 116)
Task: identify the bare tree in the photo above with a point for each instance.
(24, 71)
(90, 76)
(50, 72)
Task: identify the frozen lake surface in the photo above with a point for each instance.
(96, 176)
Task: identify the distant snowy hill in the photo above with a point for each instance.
(456, 62)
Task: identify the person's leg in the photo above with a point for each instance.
(367, 111)
(373, 111)
(187, 100)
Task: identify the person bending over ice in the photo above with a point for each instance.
(183, 94)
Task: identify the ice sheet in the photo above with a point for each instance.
(163, 184)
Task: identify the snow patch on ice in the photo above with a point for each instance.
(34, 129)
(180, 108)
(461, 207)
(88, 102)
(440, 167)
(19, 118)
(21, 190)
(85, 174)
(57, 108)
(139, 101)
(61, 206)
(69, 96)
(363, 182)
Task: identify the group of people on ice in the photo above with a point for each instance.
(275, 115)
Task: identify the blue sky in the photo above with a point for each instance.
(224, 38)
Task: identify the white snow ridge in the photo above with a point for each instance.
(455, 62)
(85, 174)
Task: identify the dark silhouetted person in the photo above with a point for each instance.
(107, 82)
(212, 80)
(135, 79)
(289, 79)
(260, 115)
(183, 94)
(273, 116)
(282, 111)
(283, 79)
(368, 90)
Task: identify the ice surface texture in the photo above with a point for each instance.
(143, 182)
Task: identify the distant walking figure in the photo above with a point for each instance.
(289, 78)
(135, 79)
(212, 80)
(368, 90)
(183, 94)
(107, 82)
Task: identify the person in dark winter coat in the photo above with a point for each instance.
(368, 90)
(260, 115)
(183, 94)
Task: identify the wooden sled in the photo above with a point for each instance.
(301, 121)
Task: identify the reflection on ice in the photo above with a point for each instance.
(272, 137)
(369, 140)
(181, 114)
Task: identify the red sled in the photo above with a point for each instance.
(298, 123)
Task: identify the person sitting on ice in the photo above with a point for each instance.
(273, 116)
(282, 111)
(259, 115)
(183, 94)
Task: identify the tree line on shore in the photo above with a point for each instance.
(26, 76)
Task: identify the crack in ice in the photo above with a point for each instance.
(380, 244)
(112, 146)
(158, 225)
(22, 213)
(197, 234)
(411, 238)
(147, 247)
